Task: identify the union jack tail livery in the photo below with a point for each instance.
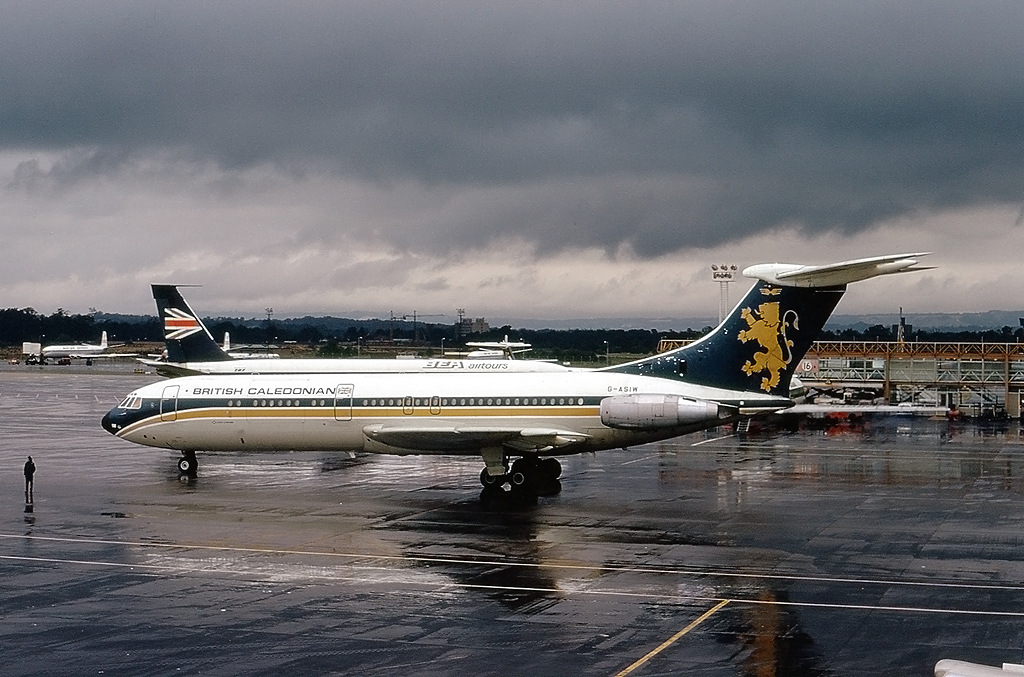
(184, 333)
(178, 324)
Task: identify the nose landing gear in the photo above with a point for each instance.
(188, 466)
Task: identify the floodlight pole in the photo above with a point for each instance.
(723, 273)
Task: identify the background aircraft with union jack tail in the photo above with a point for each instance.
(190, 349)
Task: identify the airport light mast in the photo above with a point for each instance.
(270, 326)
(723, 273)
(461, 312)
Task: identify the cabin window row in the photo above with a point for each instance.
(472, 401)
(416, 402)
(279, 403)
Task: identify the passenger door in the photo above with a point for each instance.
(169, 404)
(343, 402)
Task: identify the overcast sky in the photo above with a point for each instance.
(516, 159)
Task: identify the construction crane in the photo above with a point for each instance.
(416, 316)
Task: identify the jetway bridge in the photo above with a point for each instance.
(979, 379)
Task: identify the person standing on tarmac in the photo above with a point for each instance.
(30, 471)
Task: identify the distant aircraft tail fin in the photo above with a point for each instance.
(227, 341)
(758, 347)
(103, 340)
(185, 336)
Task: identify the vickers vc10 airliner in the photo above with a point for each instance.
(517, 422)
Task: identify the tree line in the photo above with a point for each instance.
(18, 325)
(880, 332)
(336, 335)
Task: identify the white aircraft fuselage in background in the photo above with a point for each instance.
(310, 366)
(191, 350)
(84, 351)
(76, 349)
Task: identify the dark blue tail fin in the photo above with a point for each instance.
(757, 347)
(185, 336)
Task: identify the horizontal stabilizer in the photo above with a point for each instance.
(895, 409)
(834, 274)
(489, 349)
(169, 369)
(952, 668)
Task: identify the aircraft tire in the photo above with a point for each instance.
(188, 465)
(526, 470)
(523, 480)
(551, 468)
(492, 481)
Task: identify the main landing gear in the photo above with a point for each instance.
(188, 466)
(528, 478)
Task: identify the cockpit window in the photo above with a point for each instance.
(131, 402)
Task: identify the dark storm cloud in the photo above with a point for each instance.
(658, 125)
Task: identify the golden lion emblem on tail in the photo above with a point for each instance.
(767, 328)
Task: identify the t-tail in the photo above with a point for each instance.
(185, 336)
(759, 345)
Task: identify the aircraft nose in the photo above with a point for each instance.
(108, 423)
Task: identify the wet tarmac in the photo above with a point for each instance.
(874, 549)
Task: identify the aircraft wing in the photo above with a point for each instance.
(468, 438)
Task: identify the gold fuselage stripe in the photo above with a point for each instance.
(330, 413)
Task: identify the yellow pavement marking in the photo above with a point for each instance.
(672, 640)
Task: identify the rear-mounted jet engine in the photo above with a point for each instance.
(646, 412)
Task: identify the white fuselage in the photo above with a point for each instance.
(355, 411)
(77, 349)
(80, 350)
(310, 366)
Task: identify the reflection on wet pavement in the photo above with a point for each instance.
(870, 549)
